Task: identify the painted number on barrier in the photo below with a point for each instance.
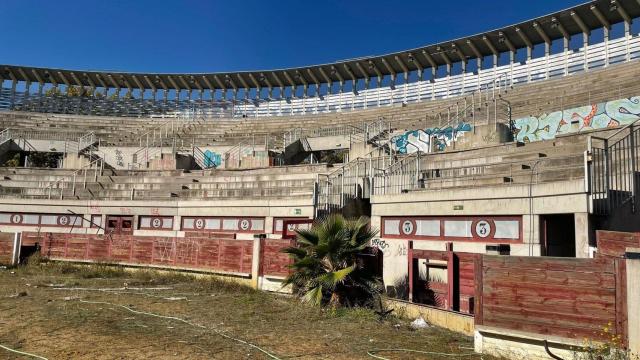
(63, 220)
(156, 223)
(245, 224)
(199, 224)
(483, 228)
(407, 227)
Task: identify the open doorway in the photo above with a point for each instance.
(558, 235)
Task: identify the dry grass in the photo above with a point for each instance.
(38, 316)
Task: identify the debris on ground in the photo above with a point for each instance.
(19, 294)
(419, 323)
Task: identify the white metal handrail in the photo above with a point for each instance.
(96, 165)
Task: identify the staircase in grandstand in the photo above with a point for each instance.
(385, 170)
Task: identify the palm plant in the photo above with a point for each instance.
(327, 263)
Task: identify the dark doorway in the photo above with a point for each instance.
(558, 235)
(120, 224)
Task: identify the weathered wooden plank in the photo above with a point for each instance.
(479, 291)
(545, 318)
(621, 317)
(548, 263)
(551, 330)
(564, 278)
(599, 309)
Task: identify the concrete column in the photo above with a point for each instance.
(434, 72)
(585, 46)
(17, 244)
(512, 58)
(176, 223)
(633, 298)
(627, 39)
(268, 225)
(565, 46)
(606, 46)
(547, 53)
(529, 51)
(581, 221)
(256, 261)
(13, 92)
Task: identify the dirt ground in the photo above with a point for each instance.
(62, 311)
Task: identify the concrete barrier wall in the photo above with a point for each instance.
(453, 321)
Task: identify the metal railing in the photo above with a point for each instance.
(153, 141)
(401, 176)
(97, 166)
(233, 157)
(613, 174)
(352, 180)
(201, 159)
(595, 56)
(5, 135)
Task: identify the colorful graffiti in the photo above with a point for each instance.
(420, 140)
(212, 159)
(598, 116)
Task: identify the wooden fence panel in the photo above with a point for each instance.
(567, 297)
(228, 254)
(6, 248)
(273, 261)
(614, 244)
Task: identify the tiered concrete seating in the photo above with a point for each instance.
(615, 82)
(510, 163)
(279, 182)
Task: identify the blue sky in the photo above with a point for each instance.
(211, 36)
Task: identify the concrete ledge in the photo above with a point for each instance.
(514, 344)
(457, 322)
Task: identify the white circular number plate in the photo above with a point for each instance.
(483, 228)
(407, 227)
(156, 223)
(63, 220)
(244, 224)
(199, 224)
(16, 219)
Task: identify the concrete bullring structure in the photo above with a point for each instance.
(484, 171)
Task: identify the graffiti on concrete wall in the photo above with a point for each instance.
(597, 116)
(212, 159)
(119, 158)
(420, 140)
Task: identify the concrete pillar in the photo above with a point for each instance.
(17, 244)
(268, 225)
(633, 298)
(256, 260)
(581, 221)
(606, 46)
(585, 46)
(565, 46)
(176, 223)
(529, 53)
(627, 39)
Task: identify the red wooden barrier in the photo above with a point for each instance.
(6, 248)
(273, 262)
(567, 297)
(614, 243)
(197, 251)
